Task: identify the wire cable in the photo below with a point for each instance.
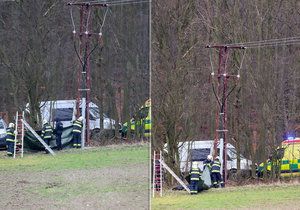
(265, 41)
(211, 63)
(239, 69)
(104, 18)
(71, 13)
(113, 3)
(273, 44)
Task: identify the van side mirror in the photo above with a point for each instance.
(92, 117)
(228, 158)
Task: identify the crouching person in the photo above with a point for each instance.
(194, 178)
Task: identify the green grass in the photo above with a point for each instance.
(78, 159)
(231, 198)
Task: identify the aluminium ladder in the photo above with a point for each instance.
(19, 137)
(157, 173)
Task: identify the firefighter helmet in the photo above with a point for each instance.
(209, 157)
(194, 165)
(11, 125)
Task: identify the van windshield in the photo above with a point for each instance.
(199, 154)
(233, 154)
(63, 114)
(95, 112)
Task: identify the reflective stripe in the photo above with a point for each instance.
(9, 133)
(195, 172)
(10, 140)
(197, 179)
(47, 137)
(77, 131)
(78, 124)
(216, 164)
(48, 130)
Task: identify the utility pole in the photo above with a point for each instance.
(222, 78)
(84, 71)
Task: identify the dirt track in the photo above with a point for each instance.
(125, 187)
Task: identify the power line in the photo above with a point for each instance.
(111, 3)
(274, 44)
(267, 43)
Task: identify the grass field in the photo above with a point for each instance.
(98, 178)
(279, 196)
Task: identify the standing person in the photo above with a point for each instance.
(216, 173)
(207, 163)
(77, 129)
(47, 132)
(10, 139)
(58, 131)
(195, 178)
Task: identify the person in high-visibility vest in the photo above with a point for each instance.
(10, 138)
(216, 173)
(194, 178)
(147, 124)
(47, 132)
(132, 125)
(77, 129)
(208, 162)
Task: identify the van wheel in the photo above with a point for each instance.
(232, 175)
(104, 134)
(95, 132)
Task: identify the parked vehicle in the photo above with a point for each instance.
(3, 127)
(198, 150)
(286, 160)
(65, 110)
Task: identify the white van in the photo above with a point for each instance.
(3, 127)
(198, 151)
(64, 110)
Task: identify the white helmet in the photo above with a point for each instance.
(44, 122)
(80, 118)
(209, 157)
(194, 165)
(11, 125)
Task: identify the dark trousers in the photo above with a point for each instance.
(76, 140)
(10, 147)
(194, 186)
(47, 141)
(216, 179)
(58, 141)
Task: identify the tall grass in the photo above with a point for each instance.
(77, 159)
(258, 196)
